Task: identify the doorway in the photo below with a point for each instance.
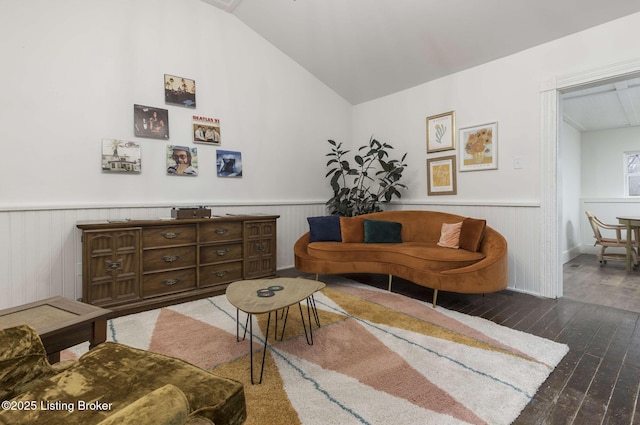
(596, 110)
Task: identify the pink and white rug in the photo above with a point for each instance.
(378, 358)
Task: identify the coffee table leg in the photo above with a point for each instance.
(314, 309)
(246, 325)
(264, 353)
(285, 316)
(307, 335)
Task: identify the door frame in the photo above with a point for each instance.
(551, 189)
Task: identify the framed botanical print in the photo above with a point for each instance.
(441, 130)
(479, 147)
(441, 176)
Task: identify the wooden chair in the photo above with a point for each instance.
(619, 241)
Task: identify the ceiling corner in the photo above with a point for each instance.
(226, 5)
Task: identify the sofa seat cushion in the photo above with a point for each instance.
(116, 375)
(416, 255)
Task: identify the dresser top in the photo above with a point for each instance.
(116, 223)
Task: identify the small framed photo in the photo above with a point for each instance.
(441, 176)
(179, 91)
(182, 160)
(479, 147)
(229, 163)
(441, 130)
(120, 156)
(150, 122)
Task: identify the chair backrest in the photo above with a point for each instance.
(595, 225)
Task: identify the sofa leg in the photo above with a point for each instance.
(435, 297)
(390, 278)
(317, 276)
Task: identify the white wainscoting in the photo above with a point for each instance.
(40, 248)
(518, 223)
(41, 251)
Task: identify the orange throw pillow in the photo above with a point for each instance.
(450, 235)
(471, 234)
(352, 229)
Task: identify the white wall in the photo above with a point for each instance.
(509, 91)
(602, 163)
(73, 69)
(570, 157)
(603, 179)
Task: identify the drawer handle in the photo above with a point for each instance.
(222, 252)
(221, 273)
(170, 282)
(169, 258)
(114, 265)
(221, 231)
(260, 247)
(170, 235)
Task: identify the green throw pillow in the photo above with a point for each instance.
(379, 231)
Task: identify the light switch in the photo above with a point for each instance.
(518, 162)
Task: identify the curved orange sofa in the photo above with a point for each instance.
(418, 258)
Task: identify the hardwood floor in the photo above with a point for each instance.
(598, 381)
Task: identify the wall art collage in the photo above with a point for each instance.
(122, 156)
(477, 151)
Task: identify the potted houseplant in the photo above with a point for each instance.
(373, 180)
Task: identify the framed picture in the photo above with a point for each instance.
(479, 147)
(119, 156)
(206, 130)
(229, 163)
(441, 176)
(441, 130)
(182, 160)
(179, 91)
(150, 122)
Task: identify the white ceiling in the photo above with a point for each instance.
(365, 49)
(611, 105)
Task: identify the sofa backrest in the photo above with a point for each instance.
(417, 226)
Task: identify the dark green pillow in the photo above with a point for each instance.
(379, 231)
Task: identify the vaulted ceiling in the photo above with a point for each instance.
(365, 49)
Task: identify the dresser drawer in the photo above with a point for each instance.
(168, 235)
(220, 273)
(222, 252)
(169, 258)
(168, 282)
(219, 232)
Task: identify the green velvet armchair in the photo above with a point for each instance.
(111, 384)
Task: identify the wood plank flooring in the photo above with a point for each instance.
(598, 381)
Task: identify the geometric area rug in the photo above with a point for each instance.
(378, 358)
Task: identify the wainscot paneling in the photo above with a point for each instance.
(40, 249)
(518, 223)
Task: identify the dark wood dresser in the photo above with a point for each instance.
(135, 265)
